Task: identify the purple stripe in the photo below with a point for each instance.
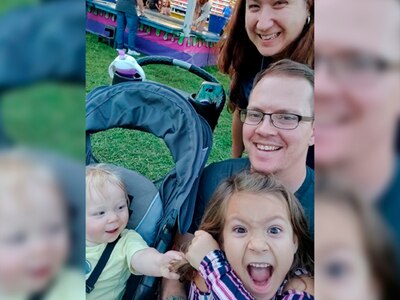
(100, 19)
(236, 281)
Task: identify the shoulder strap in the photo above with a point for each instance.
(91, 281)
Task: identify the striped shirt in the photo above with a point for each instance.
(223, 283)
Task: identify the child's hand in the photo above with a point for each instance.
(202, 244)
(166, 260)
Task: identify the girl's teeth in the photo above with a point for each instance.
(259, 265)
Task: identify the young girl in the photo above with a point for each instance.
(354, 254)
(106, 219)
(252, 243)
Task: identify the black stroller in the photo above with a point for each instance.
(185, 124)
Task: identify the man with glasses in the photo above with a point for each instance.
(277, 132)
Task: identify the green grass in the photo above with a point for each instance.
(47, 115)
(142, 151)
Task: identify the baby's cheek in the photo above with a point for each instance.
(12, 266)
(93, 230)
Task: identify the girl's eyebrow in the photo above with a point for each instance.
(266, 220)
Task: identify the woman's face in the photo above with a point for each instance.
(273, 25)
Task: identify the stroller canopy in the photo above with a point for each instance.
(166, 113)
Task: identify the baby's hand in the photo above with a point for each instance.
(166, 260)
(202, 244)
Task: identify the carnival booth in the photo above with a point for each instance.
(159, 34)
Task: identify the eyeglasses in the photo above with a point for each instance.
(286, 121)
(356, 68)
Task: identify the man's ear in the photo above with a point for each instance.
(312, 139)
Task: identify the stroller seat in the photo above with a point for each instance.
(168, 114)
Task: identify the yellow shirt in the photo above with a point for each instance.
(112, 281)
(68, 285)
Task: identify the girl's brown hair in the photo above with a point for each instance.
(240, 58)
(252, 182)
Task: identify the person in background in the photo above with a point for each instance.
(127, 17)
(166, 8)
(227, 12)
(201, 13)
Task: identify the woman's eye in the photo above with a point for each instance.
(239, 229)
(274, 230)
(253, 5)
(280, 4)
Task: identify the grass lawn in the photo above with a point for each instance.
(142, 151)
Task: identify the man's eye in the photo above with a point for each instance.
(286, 117)
(16, 239)
(253, 115)
(360, 63)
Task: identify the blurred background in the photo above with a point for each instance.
(42, 92)
(357, 107)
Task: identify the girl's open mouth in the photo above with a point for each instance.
(260, 273)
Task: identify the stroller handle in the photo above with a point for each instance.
(164, 60)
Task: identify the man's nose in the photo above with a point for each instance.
(266, 126)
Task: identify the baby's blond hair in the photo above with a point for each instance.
(98, 175)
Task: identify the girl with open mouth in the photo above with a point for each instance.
(253, 243)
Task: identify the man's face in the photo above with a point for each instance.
(356, 101)
(273, 150)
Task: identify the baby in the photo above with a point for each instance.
(106, 219)
(34, 233)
